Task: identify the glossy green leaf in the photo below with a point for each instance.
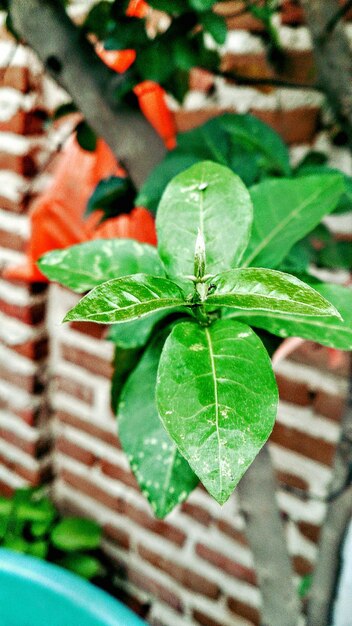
(330, 332)
(211, 199)
(128, 298)
(18, 544)
(124, 362)
(267, 290)
(75, 533)
(336, 254)
(164, 476)
(285, 211)
(39, 529)
(153, 188)
(217, 397)
(243, 143)
(89, 264)
(84, 565)
(136, 334)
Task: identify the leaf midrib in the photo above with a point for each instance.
(216, 403)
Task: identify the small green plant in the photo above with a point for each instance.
(201, 400)
(30, 523)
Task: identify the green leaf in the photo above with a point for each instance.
(211, 199)
(336, 254)
(285, 211)
(82, 564)
(217, 397)
(345, 202)
(201, 5)
(267, 290)
(114, 195)
(5, 506)
(75, 533)
(254, 136)
(330, 332)
(126, 299)
(163, 475)
(86, 137)
(241, 142)
(41, 510)
(137, 333)
(151, 63)
(152, 190)
(40, 529)
(64, 109)
(18, 544)
(124, 362)
(215, 25)
(38, 549)
(175, 7)
(89, 264)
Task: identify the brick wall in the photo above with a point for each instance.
(196, 568)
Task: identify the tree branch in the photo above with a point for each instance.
(340, 13)
(333, 59)
(257, 492)
(338, 516)
(72, 62)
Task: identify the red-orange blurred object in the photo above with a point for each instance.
(151, 99)
(57, 216)
(117, 60)
(139, 225)
(137, 8)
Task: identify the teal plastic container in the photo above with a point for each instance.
(36, 593)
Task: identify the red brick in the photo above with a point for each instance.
(328, 405)
(19, 206)
(28, 382)
(77, 390)
(117, 535)
(35, 350)
(311, 447)
(302, 566)
(21, 164)
(89, 428)
(88, 361)
(13, 241)
(244, 610)
(93, 491)
(98, 331)
(318, 356)
(15, 77)
(32, 314)
(6, 490)
(311, 531)
(183, 575)
(293, 391)
(32, 476)
(118, 473)
(225, 564)
(232, 532)
(290, 480)
(76, 452)
(160, 527)
(204, 619)
(154, 588)
(24, 123)
(197, 513)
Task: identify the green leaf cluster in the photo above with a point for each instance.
(30, 523)
(200, 399)
(183, 42)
